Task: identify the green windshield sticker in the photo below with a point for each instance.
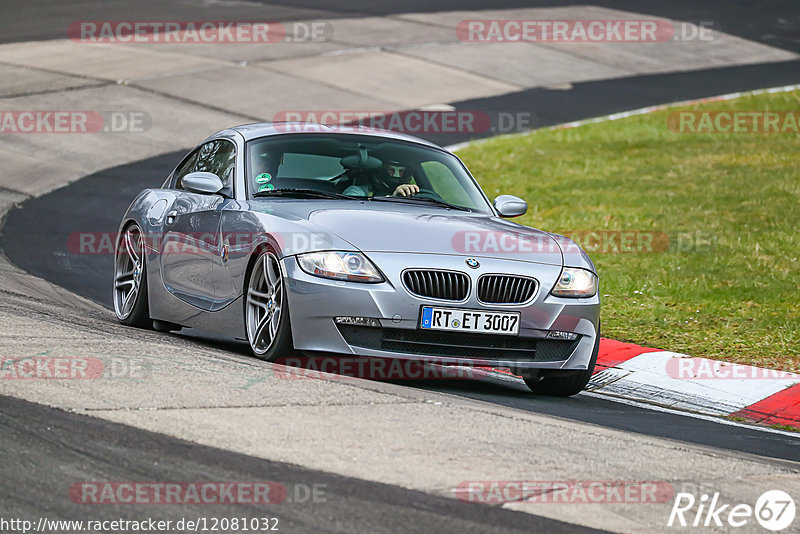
(266, 187)
(263, 178)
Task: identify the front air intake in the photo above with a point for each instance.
(505, 289)
(435, 284)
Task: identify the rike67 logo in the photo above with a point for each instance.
(774, 510)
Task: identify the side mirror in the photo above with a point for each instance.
(510, 206)
(205, 183)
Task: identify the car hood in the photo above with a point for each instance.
(405, 228)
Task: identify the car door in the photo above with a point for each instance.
(191, 240)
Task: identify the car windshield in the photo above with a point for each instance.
(360, 167)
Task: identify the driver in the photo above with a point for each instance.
(391, 179)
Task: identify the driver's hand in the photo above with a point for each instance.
(406, 190)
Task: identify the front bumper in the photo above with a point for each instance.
(314, 302)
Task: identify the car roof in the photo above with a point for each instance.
(264, 129)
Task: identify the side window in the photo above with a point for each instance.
(218, 157)
(185, 168)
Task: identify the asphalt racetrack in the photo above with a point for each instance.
(47, 449)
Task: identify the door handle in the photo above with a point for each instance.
(171, 217)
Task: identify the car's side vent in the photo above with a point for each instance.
(442, 285)
(505, 289)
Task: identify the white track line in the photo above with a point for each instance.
(716, 419)
(632, 113)
(509, 379)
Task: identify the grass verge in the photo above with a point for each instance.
(727, 286)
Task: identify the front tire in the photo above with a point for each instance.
(266, 312)
(130, 279)
(568, 385)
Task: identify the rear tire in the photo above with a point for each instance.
(565, 385)
(266, 310)
(130, 279)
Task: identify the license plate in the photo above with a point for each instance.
(474, 321)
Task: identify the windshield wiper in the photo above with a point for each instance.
(303, 193)
(421, 199)
(313, 193)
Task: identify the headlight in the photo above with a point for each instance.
(350, 266)
(575, 282)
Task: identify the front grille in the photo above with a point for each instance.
(443, 285)
(505, 289)
(458, 344)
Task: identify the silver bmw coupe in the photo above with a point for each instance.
(307, 239)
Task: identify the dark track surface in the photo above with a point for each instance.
(49, 220)
(619, 416)
(35, 238)
(593, 99)
(775, 23)
(52, 450)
